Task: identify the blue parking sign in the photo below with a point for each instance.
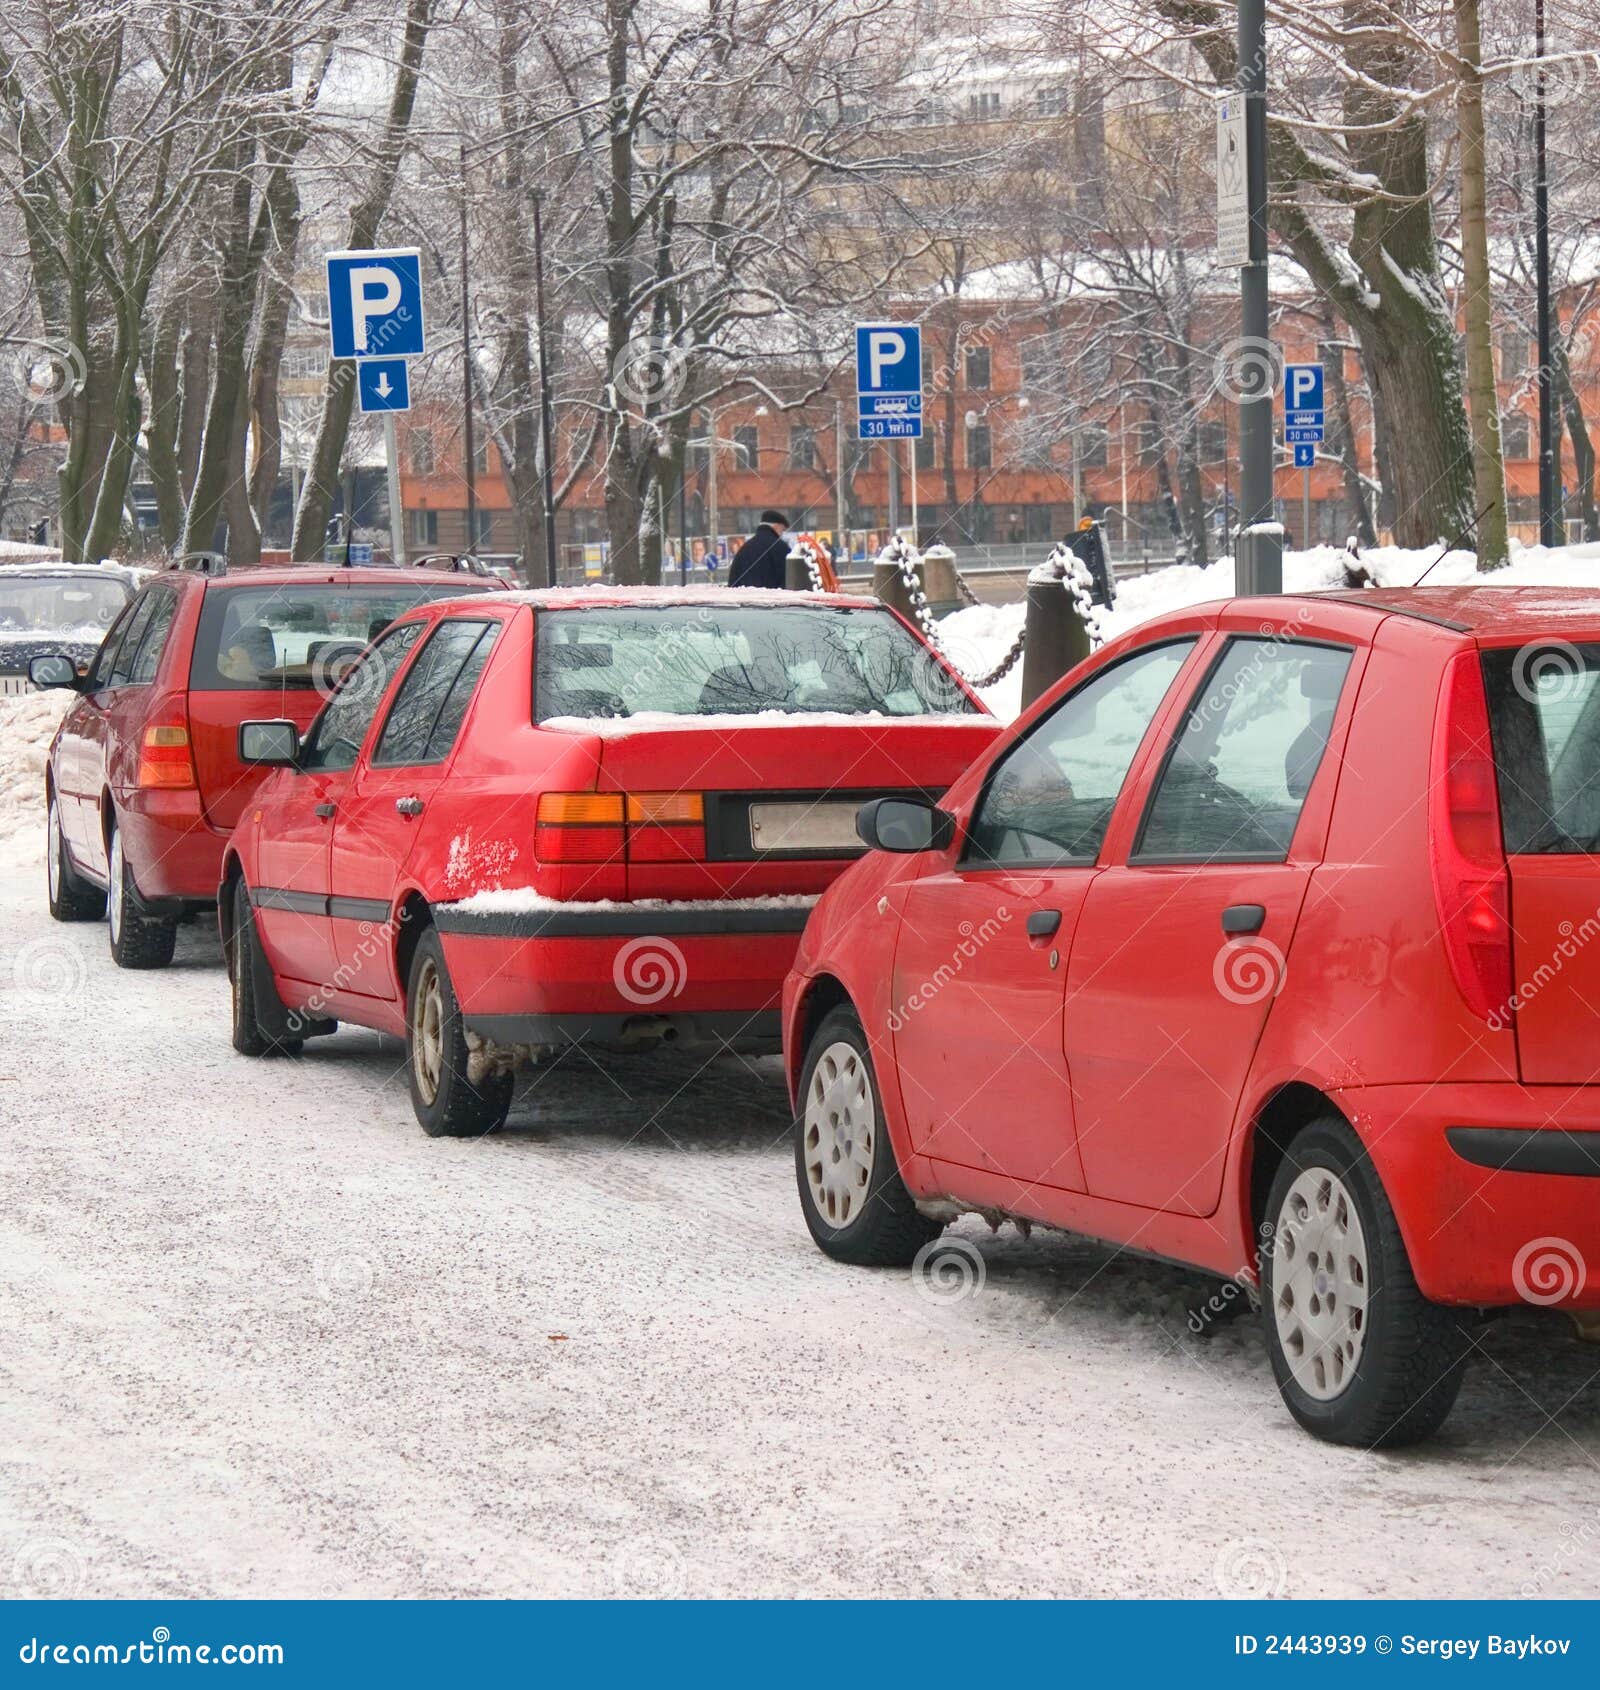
(888, 358)
(383, 384)
(1302, 387)
(375, 303)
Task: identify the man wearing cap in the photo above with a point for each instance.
(760, 561)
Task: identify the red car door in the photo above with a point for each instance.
(381, 814)
(80, 753)
(979, 967)
(1180, 951)
(294, 842)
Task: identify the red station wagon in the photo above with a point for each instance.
(143, 782)
(1267, 942)
(585, 816)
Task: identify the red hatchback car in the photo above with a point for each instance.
(583, 816)
(1263, 943)
(143, 783)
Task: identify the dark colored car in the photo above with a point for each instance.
(143, 783)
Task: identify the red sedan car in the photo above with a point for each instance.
(573, 817)
(1262, 943)
(143, 782)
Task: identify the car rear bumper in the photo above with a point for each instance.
(1496, 1187)
(702, 973)
(175, 853)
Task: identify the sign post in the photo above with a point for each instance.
(375, 317)
(1303, 420)
(889, 394)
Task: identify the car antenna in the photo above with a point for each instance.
(1451, 544)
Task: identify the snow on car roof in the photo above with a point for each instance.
(635, 598)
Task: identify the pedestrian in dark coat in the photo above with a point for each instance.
(761, 560)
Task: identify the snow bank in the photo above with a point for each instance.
(977, 638)
(27, 725)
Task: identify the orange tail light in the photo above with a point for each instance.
(165, 759)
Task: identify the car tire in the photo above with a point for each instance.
(249, 1036)
(137, 940)
(1360, 1355)
(447, 1103)
(855, 1203)
(72, 898)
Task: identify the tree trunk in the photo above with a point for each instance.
(1355, 489)
(322, 478)
(266, 425)
(1583, 455)
(161, 424)
(1489, 474)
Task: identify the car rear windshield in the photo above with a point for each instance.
(294, 635)
(59, 604)
(1544, 714)
(736, 660)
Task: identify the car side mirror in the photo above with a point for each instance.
(273, 745)
(54, 669)
(904, 824)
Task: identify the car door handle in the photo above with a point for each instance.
(325, 810)
(1042, 923)
(408, 806)
(1244, 918)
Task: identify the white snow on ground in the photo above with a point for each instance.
(259, 1336)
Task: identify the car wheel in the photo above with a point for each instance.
(137, 940)
(1360, 1355)
(854, 1201)
(72, 898)
(245, 966)
(447, 1103)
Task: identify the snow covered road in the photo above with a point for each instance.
(259, 1336)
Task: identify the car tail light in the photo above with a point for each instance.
(1471, 884)
(579, 827)
(165, 759)
(666, 827)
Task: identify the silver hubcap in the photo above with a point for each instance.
(841, 1134)
(53, 853)
(1320, 1283)
(114, 901)
(427, 1032)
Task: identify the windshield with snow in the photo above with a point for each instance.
(59, 604)
(736, 660)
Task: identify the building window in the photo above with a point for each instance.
(747, 444)
(425, 528)
(1150, 442)
(420, 444)
(1516, 352)
(1516, 435)
(484, 540)
(1213, 441)
(480, 455)
(980, 446)
(802, 447)
(928, 451)
(1092, 446)
(1051, 101)
(978, 368)
(984, 105)
(314, 307)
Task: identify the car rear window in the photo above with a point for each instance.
(736, 660)
(295, 635)
(1544, 719)
(60, 604)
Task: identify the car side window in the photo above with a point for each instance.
(153, 643)
(1050, 798)
(122, 663)
(432, 701)
(105, 658)
(1239, 770)
(336, 740)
